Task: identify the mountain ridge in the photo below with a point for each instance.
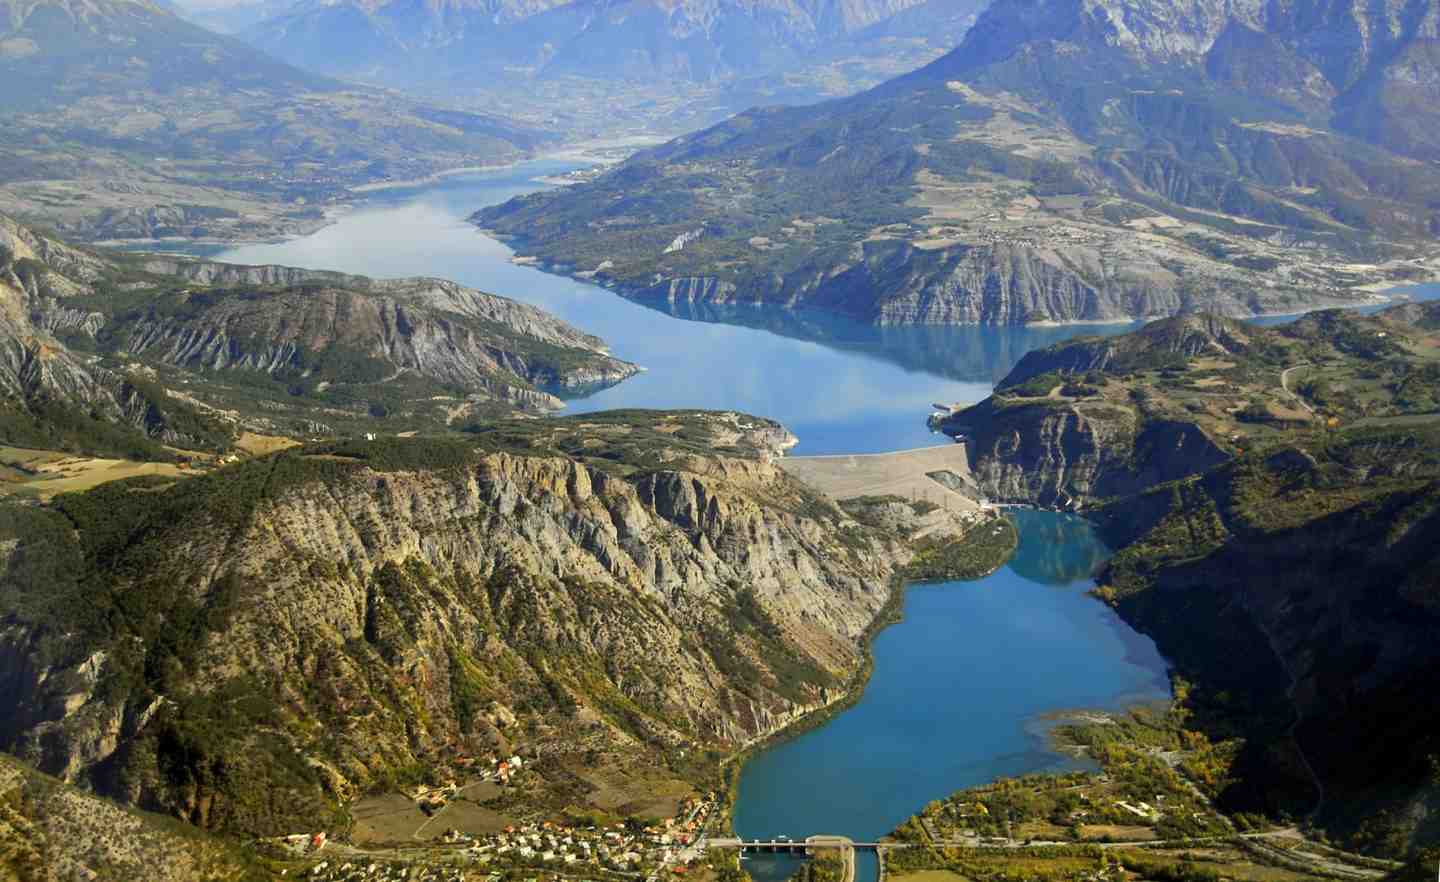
(148, 343)
(125, 121)
(1018, 178)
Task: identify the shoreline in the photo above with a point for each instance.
(592, 153)
(892, 612)
(1374, 294)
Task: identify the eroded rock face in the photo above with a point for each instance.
(307, 331)
(1070, 455)
(516, 596)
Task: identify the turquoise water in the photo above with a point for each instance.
(957, 695)
(960, 687)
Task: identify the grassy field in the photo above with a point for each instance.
(44, 474)
(260, 445)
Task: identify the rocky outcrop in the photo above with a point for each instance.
(1031, 443)
(704, 603)
(327, 344)
(1069, 455)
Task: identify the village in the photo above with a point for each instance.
(539, 851)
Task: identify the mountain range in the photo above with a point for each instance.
(1069, 161)
(625, 52)
(122, 120)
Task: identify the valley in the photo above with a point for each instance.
(516, 465)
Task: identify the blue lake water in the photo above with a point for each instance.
(961, 686)
(840, 386)
(957, 696)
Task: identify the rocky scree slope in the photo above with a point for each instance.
(250, 648)
(123, 120)
(1068, 161)
(134, 339)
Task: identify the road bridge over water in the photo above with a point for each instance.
(809, 846)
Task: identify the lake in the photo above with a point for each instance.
(957, 697)
(961, 687)
(840, 386)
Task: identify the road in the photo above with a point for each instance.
(1285, 384)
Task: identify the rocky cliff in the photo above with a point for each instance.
(249, 648)
(1069, 455)
(275, 348)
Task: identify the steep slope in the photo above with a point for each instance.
(53, 832)
(669, 54)
(182, 131)
(186, 352)
(251, 648)
(1069, 161)
(1272, 493)
(1095, 418)
(1298, 588)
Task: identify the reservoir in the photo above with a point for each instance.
(960, 687)
(957, 696)
(842, 387)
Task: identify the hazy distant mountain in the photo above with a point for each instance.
(229, 17)
(152, 107)
(642, 42)
(1071, 160)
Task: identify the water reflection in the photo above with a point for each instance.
(842, 387)
(971, 353)
(1056, 549)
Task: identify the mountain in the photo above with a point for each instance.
(54, 832)
(111, 353)
(1068, 162)
(122, 120)
(631, 51)
(618, 597)
(1272, 496)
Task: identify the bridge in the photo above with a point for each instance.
(810, 845)
(800, 846)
